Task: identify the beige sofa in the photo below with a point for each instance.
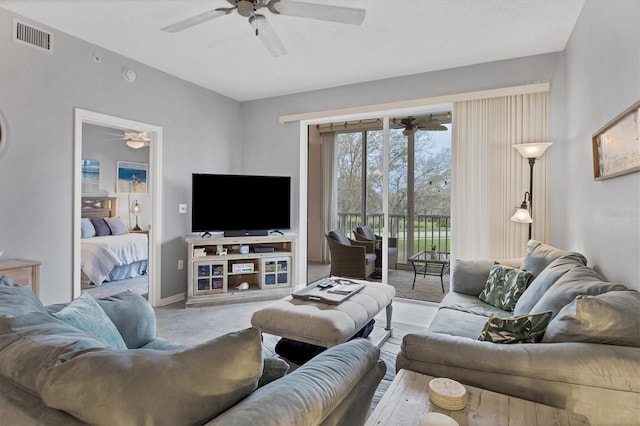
(588, 360)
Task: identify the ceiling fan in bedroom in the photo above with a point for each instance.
(431, 122)
(133, 139)
(263, 30)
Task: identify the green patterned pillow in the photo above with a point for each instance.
(522, 329)
(504, 287)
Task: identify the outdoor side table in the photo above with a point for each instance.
(423, 264)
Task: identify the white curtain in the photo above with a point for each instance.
(490, 177)
(329, 189)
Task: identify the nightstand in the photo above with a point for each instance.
(25, 272)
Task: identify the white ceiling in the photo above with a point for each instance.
(398, 37)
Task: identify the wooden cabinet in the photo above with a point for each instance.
(23, 271)
(239, 269)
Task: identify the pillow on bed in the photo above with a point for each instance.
(116, 225)
(101, 226)
(86, 228)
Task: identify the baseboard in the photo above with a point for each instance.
(172, 299)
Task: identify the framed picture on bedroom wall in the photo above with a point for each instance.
(616, 147)
(131, 177)
(90, 176)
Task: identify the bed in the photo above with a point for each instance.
(110, 252)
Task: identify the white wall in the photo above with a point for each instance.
(38, 94)
(597, 78)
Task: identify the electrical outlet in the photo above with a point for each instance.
(180, 264)
(182, 208)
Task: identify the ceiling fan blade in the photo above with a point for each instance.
(323, 12)
(195, 20)
(269, 38)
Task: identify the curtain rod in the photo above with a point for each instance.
(413, 103)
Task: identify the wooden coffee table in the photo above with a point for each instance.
(408, 398)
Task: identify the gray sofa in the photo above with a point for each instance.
(59, 366)
(588, 360)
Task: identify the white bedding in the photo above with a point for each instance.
(101, 254)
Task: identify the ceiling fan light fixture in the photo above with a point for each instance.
(136, 144)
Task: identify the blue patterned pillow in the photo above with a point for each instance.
(504, 287)
(522, 329)
(85, 313)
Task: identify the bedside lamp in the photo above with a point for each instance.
(136, 209)
(530, 151)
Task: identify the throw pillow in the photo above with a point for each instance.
(101, 226)
(545, 280)
(16, 299)
(85, 313)
(579, 280)
(87, 229)
(504, 286)
(470, 276)
(150, 387)
(521, 329)
(610, 318)
(132, 315)
(273, 369)
(116, 226)
(540, 255)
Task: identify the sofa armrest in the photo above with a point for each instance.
(585, 364)
(370, 246)
(335, 387)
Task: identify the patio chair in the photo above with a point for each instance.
(350, 258)
(365, 233)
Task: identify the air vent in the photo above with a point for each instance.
(32, 36)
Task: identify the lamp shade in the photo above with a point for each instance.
(522, 216)
(136, 208)
(532, 150)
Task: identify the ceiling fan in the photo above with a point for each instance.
(432, 122)
(264, 31)
(133, 139)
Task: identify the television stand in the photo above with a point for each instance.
(221, 270)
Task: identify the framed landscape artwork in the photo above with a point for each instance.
(90, 176)
(616, 147)
(131, 177)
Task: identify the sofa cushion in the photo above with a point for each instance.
(16, 299)
(540, 255)
(521, 329)
(579, 280)
(367, 232)
(339, 236)
(504, 286)
(470, 276)
(611, 318)
(85, 313)
(29, 342)
(471, 304)
(143, 386)
(132, 315)
(458, 323)
(546, 279)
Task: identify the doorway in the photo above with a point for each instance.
(152, 197)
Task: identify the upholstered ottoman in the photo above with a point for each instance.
(323, 324)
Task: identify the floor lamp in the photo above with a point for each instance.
(530, 151)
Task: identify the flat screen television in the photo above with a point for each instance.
(240, 204)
